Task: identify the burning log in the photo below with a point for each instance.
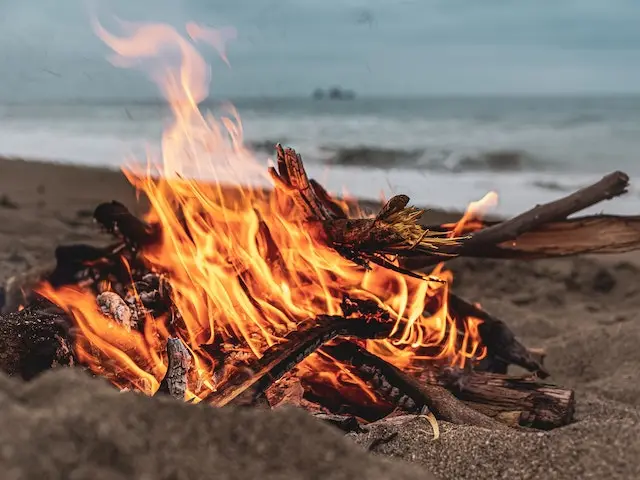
(486, 400)
(34, 340)
(503, 348)
(179, 359)
(282, 357)
(436, 398)
(113, 306)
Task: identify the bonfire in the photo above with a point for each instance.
(232, 293)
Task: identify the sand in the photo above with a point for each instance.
(583, 311)
(66, 426)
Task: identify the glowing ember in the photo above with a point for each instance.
(217, 251)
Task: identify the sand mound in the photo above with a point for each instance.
(65, 425)
(606, 445)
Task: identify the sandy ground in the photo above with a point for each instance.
(66, 426)
(583, 311)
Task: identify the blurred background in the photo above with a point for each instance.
(443, 100)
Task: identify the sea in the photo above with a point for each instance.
(443, 152)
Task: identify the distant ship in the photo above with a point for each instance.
(333, 93)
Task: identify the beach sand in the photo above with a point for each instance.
(583, 311)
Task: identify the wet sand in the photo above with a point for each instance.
(583, 311)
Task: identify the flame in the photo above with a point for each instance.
(219, 228)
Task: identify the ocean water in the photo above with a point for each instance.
(442, 152)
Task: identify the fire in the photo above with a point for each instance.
(218, 231)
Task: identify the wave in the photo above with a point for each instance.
(437, 161)
(375, 157)
(500, 161)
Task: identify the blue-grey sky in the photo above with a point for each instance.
(377, 47)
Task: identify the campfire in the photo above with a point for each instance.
(228, 293)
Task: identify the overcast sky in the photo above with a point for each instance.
(388, 47)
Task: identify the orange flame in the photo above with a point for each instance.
(216, 248)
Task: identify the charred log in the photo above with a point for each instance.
(442, 403)
(310, 335)
(487, 400)
(34, 340)
(116, 219)
(503, 348)
(114, 307)
(179, 360)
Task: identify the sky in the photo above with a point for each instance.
(49, 51)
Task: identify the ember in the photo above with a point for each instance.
(229, 293)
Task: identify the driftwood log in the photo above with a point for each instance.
(521, 401)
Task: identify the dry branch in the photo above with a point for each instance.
(544, 231)
(577, 236)
(610, 186)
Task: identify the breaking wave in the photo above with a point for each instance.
(439, 161)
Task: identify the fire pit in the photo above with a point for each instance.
(229, 294)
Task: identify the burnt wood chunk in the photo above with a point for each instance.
(119, 221)
(34, 340)
(503, 348)
(175, 379)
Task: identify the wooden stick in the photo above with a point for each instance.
(601, 234)
(485, 399)
(179, 359)
(610, 186)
